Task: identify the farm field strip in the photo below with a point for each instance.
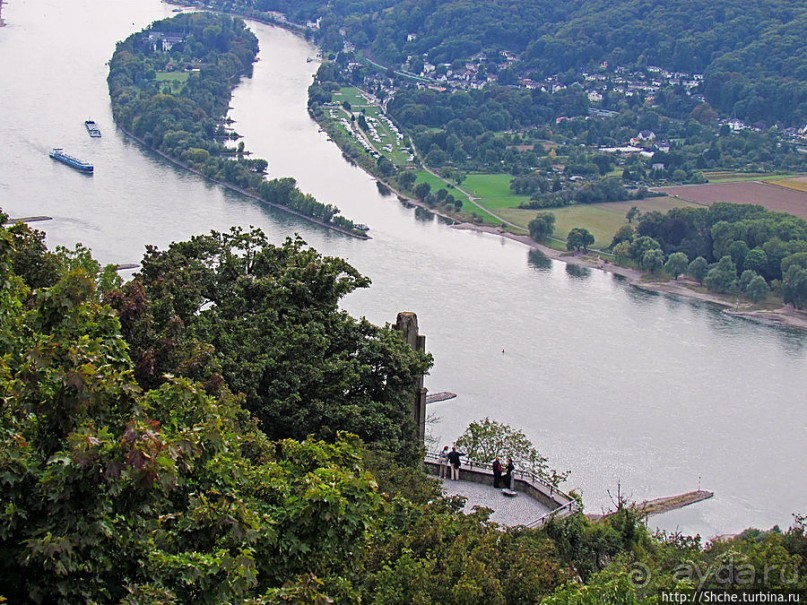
(797, 183)
(772, 197)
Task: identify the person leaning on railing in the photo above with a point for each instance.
(454, 460)
(443, 459)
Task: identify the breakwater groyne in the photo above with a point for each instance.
(28, 219)
(657, 506)
(441, 396)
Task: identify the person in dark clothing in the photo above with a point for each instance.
(454, 461)
(497, 473)
(508, 476)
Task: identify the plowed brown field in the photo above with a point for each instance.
(772, 197)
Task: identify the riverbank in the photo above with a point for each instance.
(244, 192)
(784, 316)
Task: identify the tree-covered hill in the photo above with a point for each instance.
(746, 49)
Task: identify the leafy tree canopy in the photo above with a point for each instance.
(119, 492)
(264, 319)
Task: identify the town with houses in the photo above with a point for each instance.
(479, 70)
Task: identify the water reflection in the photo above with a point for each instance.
(641, 296)
(383, 190)
(424, 215)
(578, 271)
(793, 342)
(538, 260)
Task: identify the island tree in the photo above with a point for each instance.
(698, 269)
(757, 289)
(676, 264)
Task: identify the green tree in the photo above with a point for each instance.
(776, 250)
(794, 286)
(266, 320)
(624, 234)
(756, 260)
(386, 167)
(422, 190)
(676, 264)
(112, 492)
(622, 251)
(722, 278)
(745, 279)
(757, 289)
(542, 226)
(30, 257)
(738, 250)
(486, 439)
(642, 244)
(633, 213)
(799, 259)
(698, 269)
(652, 260)
(579, 239)
(615, 588)
(406, 179)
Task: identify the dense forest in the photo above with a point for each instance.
(170, 86)
(190, 436)
(729, 248)
(751, 52)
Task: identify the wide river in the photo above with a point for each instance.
(623, 387)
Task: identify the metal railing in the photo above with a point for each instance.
(528, 477)
(567, 508)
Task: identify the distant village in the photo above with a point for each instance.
(479, 70)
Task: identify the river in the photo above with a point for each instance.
(622, 387)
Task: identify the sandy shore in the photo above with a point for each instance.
(785, 316)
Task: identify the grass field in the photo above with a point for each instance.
(352, 96)
(602, 220)
(467, 206)
(436, 183)
(493, 190)
(175, 79)
(799, 183)
(732, 177)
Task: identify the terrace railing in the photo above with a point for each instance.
(527, 482)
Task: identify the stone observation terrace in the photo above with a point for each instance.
(541, 501)
(535, 501)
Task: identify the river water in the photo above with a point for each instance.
(622, 387)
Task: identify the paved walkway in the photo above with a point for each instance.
(518, 510)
